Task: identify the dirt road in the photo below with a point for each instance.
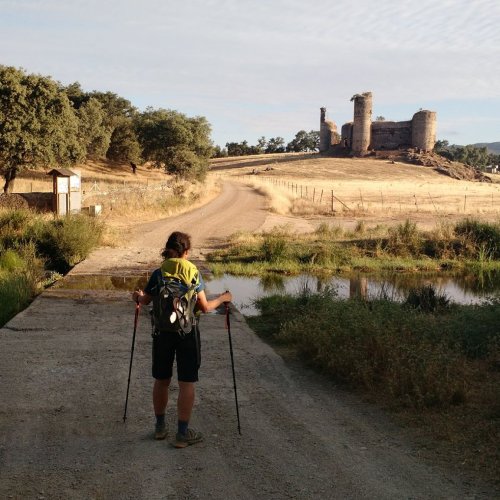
(63, 373)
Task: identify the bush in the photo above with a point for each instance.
(420, 360)
(11, 261)
(66, 241)
(479, 238)
(16, 292)
(426, 299)
(274, 246)
(20, 274)
(404, 240)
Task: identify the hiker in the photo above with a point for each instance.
(134, 167)
(169, 345)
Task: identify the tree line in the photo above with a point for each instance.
(43, 124)
(303, 142)
(477, 157)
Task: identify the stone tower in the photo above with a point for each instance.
(361, 132)
(327, 132)
(423, 130)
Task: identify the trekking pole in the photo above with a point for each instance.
(228, 326)
(136, 319)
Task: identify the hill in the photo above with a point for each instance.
(378, 188)
(492, 147)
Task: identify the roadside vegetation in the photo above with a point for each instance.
(434, 362)
(468, 244)
(35, 249)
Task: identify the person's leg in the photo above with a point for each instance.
(185, 402)
(188, 362)
(163, 359)
(160, 395)
(160, 400)
(185, 435)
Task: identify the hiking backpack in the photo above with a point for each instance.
(173, 306)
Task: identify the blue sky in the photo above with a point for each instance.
(265, 67)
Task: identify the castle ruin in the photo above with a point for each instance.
(362, 135)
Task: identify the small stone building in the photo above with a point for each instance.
(363, 135)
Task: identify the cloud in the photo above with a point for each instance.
(260, 65)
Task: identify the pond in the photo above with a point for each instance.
(463, 289)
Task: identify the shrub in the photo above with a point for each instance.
(360, 227)
(326, 230)
(274, 245)
(22, 271)
(11, 261)
(426, 299)
(16, 292)
(418, 359)
(479, 238)
(66, 241)
(404, 240)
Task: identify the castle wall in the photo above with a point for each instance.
(391, 135)
(361, 132)
(424, 130)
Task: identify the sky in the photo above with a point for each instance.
(264, 67)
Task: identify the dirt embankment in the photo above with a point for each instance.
(453, 169)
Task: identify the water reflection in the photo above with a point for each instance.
(462, 289)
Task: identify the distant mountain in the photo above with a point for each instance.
(493, 147)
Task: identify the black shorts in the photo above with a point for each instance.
(185, 350)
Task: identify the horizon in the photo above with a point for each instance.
(256, 69)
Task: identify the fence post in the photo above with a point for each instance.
(332, 200)
(321, 197)
(314, 193)
(465, 202)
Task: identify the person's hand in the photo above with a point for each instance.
(227, 297)
(137, 295)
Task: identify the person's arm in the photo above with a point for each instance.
(144, 297)
(141, 297)
(206, 305)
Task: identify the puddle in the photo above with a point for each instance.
(101, 282)
(463, 289)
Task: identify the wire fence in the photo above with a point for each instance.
(365, 201)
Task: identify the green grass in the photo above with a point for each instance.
(30, 245)
(433, 364)
(408, 354)
(16, 292)
(469, 245)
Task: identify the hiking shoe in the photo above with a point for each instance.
(191, 437)
(161, 431)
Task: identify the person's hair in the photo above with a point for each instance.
(176, 245)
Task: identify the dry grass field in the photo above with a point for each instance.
(303, 184)
(126, 197)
